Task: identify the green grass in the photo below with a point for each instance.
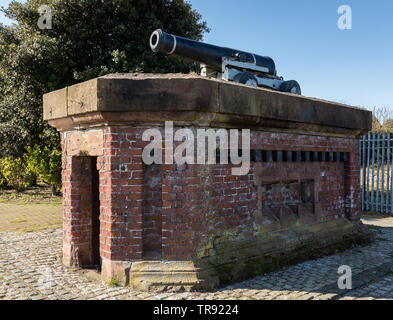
(376, 214)
(114, 282)
(19, 220)
(40, 194)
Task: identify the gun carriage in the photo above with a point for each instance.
(224, 63)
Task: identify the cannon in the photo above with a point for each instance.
(224, 63)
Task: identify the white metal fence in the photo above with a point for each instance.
(376, 160)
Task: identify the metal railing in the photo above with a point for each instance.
(376, 160)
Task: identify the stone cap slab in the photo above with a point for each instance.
(119, 98)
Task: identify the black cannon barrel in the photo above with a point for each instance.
(208, 54)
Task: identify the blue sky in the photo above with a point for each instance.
(4, 3)
(351, 66)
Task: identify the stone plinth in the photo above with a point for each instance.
(198, 225)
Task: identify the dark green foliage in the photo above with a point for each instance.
(88, 38)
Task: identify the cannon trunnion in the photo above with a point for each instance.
(224, 63)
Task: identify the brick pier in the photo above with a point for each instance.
(198, 225)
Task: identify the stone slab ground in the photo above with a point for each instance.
(31, 268)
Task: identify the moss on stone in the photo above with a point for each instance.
(237, 258)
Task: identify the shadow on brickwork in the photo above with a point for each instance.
(371, 265)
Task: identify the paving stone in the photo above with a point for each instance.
(24, 259)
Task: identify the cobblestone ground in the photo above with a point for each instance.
(30, 268)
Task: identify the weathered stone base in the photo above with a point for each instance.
(236, 260)
(76, 255)
(147, 275)
(115, 271)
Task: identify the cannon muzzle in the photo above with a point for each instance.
(204, 53)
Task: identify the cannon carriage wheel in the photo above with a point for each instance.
(247, 78)
(291, 86)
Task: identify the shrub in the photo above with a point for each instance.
(46, 164)
(14, 172)
(3, 181)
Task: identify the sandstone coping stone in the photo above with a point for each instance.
(151, 98)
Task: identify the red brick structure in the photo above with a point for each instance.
(198, 225)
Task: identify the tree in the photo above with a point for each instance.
(89, 38)
(376, 125)
(388, 125)
(382, 118)
(381, 115)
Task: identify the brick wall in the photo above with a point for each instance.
(152, 211)
(173, 211)
(121, 196)
(77, 211)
